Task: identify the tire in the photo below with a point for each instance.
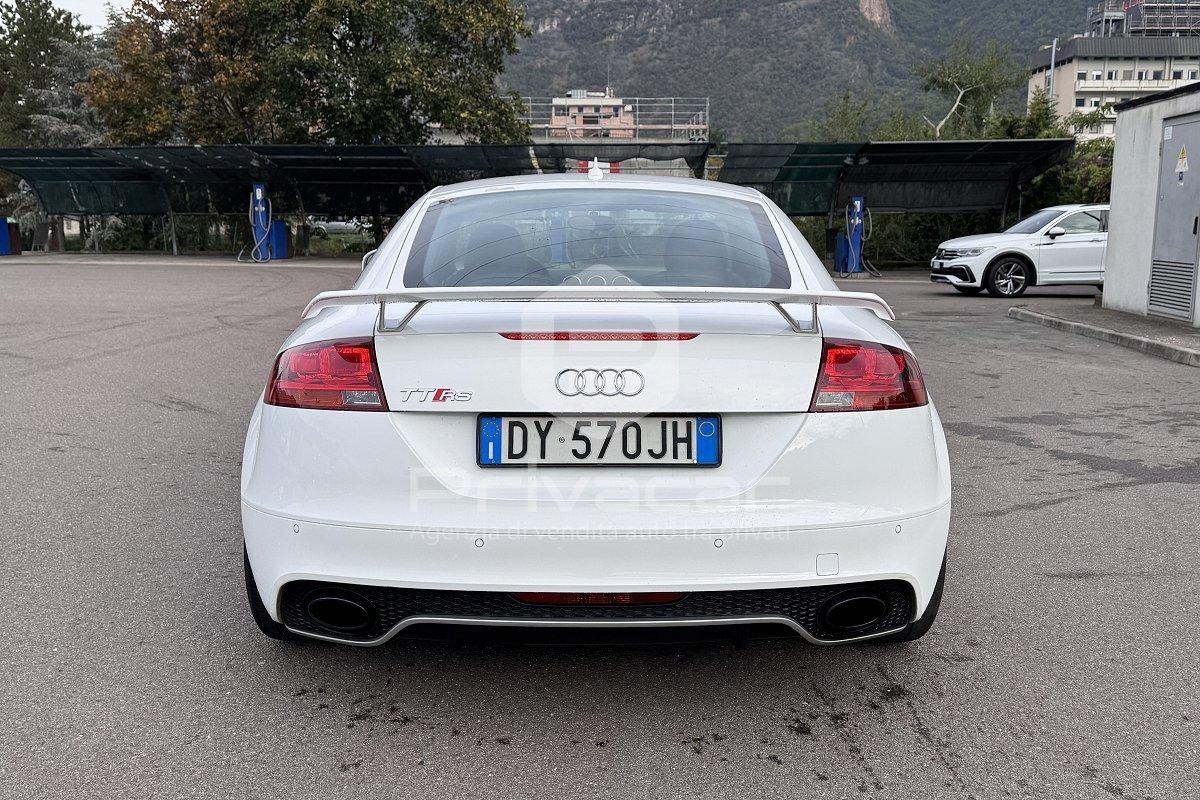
(320, 232)
(969, 289)
(1008, 276)
(915, 630)
(262, 618)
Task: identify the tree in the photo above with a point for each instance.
(972, 79)
(64, 118)
(391, 70)
(345, 71)
(900, 126)
(31, 33)
(1040, 121)
(1086, 177)
(842, 120)
(203, 72)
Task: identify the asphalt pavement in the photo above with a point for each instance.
(1064, 662)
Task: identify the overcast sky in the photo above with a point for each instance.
(91, 12)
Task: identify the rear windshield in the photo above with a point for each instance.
(598, 237)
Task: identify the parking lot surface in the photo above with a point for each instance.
(1064, 662)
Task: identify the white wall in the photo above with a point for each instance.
(1134, 201)
(1131, 221)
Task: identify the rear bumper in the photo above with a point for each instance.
(283, 551)
(394, 501)
(390, 611)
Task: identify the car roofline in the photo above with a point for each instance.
(1074, 207)
(609, 181)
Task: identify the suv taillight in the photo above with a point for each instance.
(340, 375)
(866, 376)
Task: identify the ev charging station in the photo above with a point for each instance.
(854, 235)
(10, 238)
(272, 238)
(848, 257)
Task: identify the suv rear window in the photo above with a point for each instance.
(616, 237)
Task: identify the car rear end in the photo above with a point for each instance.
(649, 445)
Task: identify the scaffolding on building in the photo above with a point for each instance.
(1144, 18)
(588, 115)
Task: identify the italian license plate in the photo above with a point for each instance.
(599, 441)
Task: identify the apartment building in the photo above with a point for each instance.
(1090, 73)
(585, 114)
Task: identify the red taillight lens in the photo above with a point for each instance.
(339, 375)
(866, 376)
(598, 598)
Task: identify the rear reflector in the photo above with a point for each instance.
(866, 376)
(598, 598)
(598, 336)
(338, 375)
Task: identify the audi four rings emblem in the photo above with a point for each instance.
(606, 382)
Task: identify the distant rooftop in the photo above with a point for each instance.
(1144, 18)
(1118, 47)
(584, 114)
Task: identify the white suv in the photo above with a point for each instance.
(1058, 245)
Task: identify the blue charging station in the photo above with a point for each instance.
(848, 257)
(854, 235)
(280, 240)
(272, 240)
(260, 222)
(841, 253)
(7, 245)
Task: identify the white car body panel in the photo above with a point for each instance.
(686, 372)
(397, 499)
(1072, 258)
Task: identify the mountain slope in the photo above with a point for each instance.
(766, 64)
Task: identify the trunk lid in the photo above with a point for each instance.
(743, 358)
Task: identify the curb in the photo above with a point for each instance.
(1170, 352)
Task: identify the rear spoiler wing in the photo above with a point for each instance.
(668, 294)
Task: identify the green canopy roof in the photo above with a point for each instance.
(357, 180)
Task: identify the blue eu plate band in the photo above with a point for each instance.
(708, 440)
(491, 440)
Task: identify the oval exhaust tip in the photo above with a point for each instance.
(853, 612)
(339, 612)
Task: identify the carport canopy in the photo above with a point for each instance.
(805, 179)
(811, 179)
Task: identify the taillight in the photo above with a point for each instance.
(866, 376)
(340, 375)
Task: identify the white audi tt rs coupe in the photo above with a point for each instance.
(595, 401)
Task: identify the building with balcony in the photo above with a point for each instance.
(1090, 73)
(584, 115)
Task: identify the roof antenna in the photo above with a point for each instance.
(594, 171)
